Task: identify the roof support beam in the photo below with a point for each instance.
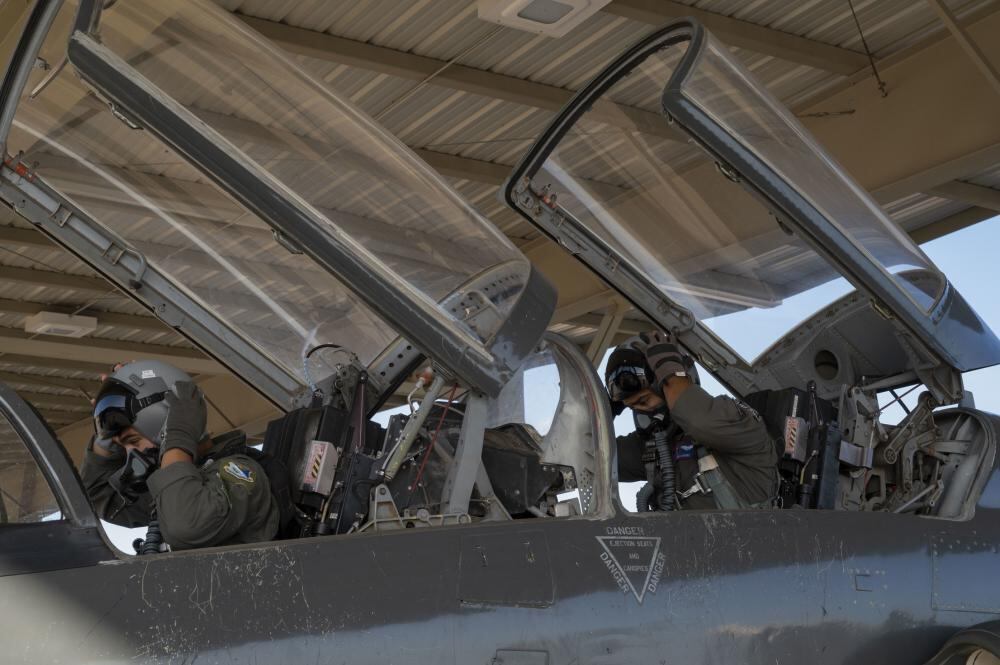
(463, 168)
(59, 280)
(582, 306)
(73, 405)
(12, 236)
(95, 368)
(935, 175)
(890, 61)
(52, 279)
(330, 48)
(182, 198)
(951, 223)
(968, 44)
(103, 318)
(105, 351)
(956, 190)
(743, 34)
(627, 326)
(14, 378)
(606, 331)
(932, 91)
(448, 165)
(57, 419)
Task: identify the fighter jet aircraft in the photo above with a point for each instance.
(298, 243)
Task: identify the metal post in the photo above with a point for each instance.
(468, 457)
(606, 332)
(968, 45)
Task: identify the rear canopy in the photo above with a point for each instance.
(716, 200)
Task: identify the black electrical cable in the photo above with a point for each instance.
(154, 539)
(643, 496)
(667, 498)
(322, 346)
(317, 393)
(868, 52)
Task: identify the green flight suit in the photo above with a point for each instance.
(734, 434)
(225, 499)
(106, 501)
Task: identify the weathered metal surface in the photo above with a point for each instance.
(776, 586)
(751, 587)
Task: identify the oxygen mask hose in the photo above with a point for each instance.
(665, 462)
(153, 542)
(643, 496)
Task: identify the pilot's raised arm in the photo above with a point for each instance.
(208, 492)
(724, 458)
(153, 460)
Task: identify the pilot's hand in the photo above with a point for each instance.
(187, 417)
(662, 355)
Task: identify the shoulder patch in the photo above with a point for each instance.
(747, 410)
(238, 471)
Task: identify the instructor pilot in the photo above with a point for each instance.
(151, 459)
(723, 457)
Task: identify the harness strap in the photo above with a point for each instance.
(726, 497)
(710, 481)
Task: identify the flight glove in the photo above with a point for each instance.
(662, 355)
(187, 417)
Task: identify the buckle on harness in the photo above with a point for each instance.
(700, 486)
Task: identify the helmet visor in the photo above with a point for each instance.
(626, 380)
(112, 413)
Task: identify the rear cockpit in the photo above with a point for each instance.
(715, 207)
(861, 430)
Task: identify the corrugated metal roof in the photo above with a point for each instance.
(889, 25)
(918, 210)
(990, 178)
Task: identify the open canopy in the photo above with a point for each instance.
(712, 199)
(269, 200)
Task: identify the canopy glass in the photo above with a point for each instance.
(372, 195)
(677, 214)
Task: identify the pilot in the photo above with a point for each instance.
(152, 459)
(722, 455)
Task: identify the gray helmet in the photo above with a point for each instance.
(627, 372)
(133, 396)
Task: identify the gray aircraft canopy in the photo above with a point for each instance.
(716, 201)
(258, 211)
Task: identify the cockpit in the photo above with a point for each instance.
(714, 210)
(382, 270)
(316, 257)
(540, 449)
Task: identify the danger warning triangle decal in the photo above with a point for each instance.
(635, 562)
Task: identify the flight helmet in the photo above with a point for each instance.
(133, 396)
(628, 373)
